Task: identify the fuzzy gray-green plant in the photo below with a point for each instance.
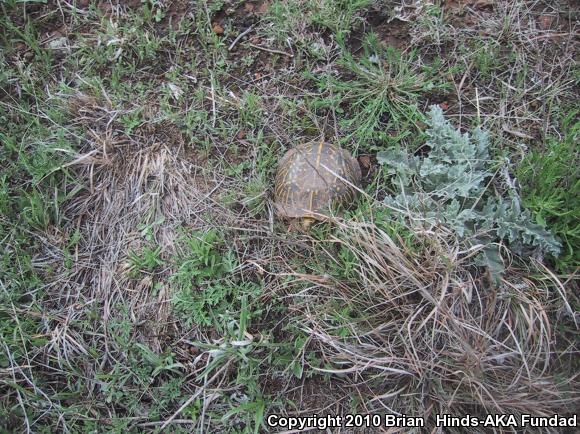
(449, 186)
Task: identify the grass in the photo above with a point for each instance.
(146, 283)
(382, 89)
(551, 186)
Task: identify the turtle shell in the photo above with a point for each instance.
(314, 178)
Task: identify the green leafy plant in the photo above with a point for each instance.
(247, 356)
(551, 188)
(203, 305)
(340, 16)
(201, 260)
(147, 260)
(203, 290)
(450, 186)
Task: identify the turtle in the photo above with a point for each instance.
(313, 179)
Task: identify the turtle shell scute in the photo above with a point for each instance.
(315, 178)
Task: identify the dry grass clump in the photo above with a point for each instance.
(141, 190)
(515, 61)
(422, 331)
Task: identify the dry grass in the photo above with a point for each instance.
(515, 63)
(425, 333)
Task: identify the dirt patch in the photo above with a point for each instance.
(392, 32)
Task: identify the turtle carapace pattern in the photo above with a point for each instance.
(313, 179)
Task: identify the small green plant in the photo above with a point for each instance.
(551, 189)
(153, 10)
(246, 355)
(147, 260)
(382, 89)
(255, 193)
(201, 260)
(158, 362)
(204, 305)
(340, 16)
(202, 293)
(450, 186)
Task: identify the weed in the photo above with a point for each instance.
(201, 296)
(201, 260)
(450, 186)
(382, 88)
(146, 261)
(551, 189)
(340, 16)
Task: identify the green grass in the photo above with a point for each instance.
(378, 98)
(551, 187)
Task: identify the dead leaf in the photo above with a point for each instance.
(249, 7)
(481, 4)
(444, 106)
(176, 91)
(545, 22)
(516, 133)
(263, 8)
(217, 29)
(364, 161)
(241, 135)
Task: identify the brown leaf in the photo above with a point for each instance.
(482, 4)
(256, 40)
(545, 22)
(217, 29)
(241, 135)
(421, 125)
(249, 7)
(444, 105)
(263, 8)
(364, 161)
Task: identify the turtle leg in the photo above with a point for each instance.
(307, 222)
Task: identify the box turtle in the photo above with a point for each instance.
(313, 179)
